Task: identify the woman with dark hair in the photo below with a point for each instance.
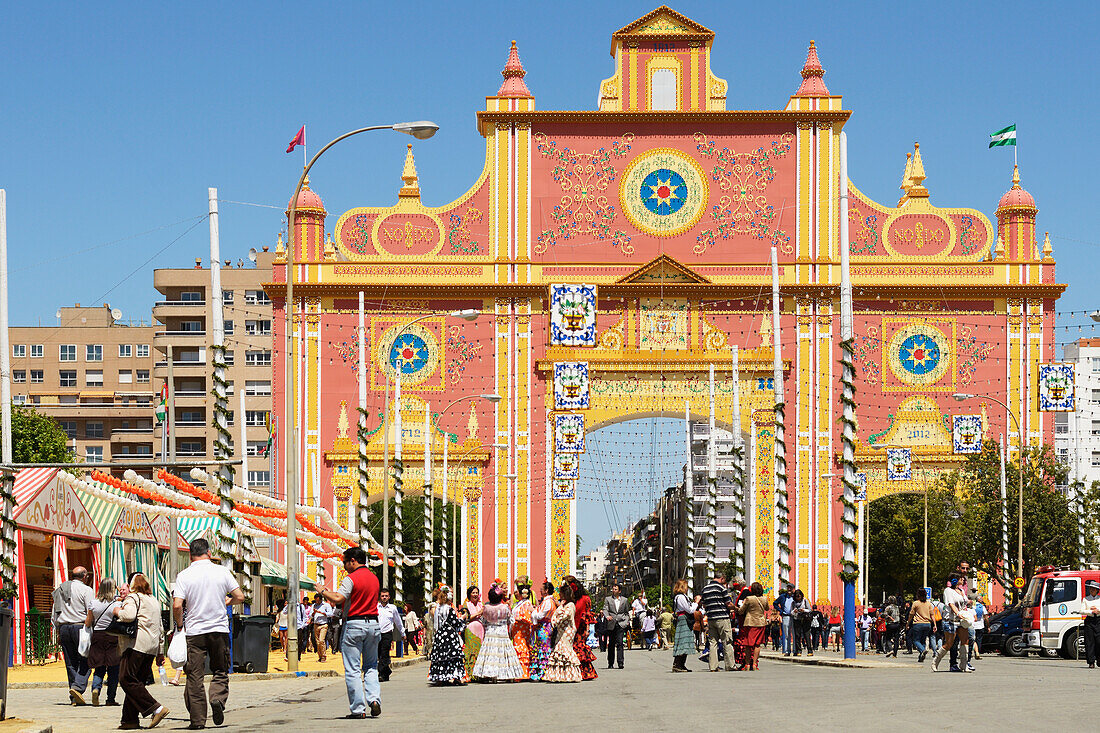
(523, 624)
(497, 659)
(582, 620)
(685, 613)
(754, 612)
(563, 664)
(103, 657)
(446, 665)
(540, 636)
(471, 612)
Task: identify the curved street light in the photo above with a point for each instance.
(420, 130)
(963, 397)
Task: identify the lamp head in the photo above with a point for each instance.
(421, 129)
(466, 314)
(962, 396)
(494, 398)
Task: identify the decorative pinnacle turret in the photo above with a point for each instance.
(513, 73)
(812, 71)
(1015, 176)
(1048, 251)
(915, 168)
(411, 189)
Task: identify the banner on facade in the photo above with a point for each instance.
(572, 315)
(567, 466)
(569, 433)
(1056, 388)
(563, 490)
(966, 432)
(899, 464)
(570, 385)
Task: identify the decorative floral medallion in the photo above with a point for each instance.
(919, 354)
(663, 192)
(899, 464)
(415, 353)
(966, 433)
(1056, 388)
(569, 433)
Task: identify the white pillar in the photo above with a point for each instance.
(782, 535)
(740, 560)
(443, 524)
(398, 493)
(689, 502)
(426, 562)
(712, 487)
(360, 522)
(5, 341)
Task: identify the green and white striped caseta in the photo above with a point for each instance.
(1007, 136)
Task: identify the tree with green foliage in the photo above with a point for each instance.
(37, 438)
(964, 523)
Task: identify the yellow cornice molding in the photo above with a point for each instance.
(485, 119)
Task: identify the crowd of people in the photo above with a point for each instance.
(114, 635)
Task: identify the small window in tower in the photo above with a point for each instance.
(663, 89)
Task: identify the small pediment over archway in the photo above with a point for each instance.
(663, 269)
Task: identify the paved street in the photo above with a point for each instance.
(1053, 694)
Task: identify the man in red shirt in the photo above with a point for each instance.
(358, 595)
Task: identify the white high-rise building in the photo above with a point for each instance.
(1077, 434)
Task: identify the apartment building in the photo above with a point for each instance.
(91, 373)
(1077, 434)
(183, 323)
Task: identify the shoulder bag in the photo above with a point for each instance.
(126, 629)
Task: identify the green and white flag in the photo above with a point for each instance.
(161, 410)
(1006, 136)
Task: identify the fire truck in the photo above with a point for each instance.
(1053, 601)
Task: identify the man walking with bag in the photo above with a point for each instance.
(616, 621)
(71, 601)
(358, 597)
(203, 591)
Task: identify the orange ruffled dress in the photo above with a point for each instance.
(522, 628)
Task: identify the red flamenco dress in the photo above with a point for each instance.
(580, 641)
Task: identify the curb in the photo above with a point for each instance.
(235, 677)
(842, 663)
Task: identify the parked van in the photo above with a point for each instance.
(1053, 598)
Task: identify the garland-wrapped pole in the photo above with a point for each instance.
(363, 508)
(689, 501)
(783, 531)
(228, 546)
(738, 470)
(849, 570)
(443, 557)
(398, 590)
(427, 565)
(7, 480)
(712, 488)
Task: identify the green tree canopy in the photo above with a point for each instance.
(965, 523)
(37, 438)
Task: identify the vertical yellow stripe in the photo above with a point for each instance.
(802, 442)
(632, 60)
(523, 146)
(695, 71)
(805, 189)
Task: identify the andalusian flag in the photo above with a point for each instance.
(161, 410)
(1006, 136)
(270, 436)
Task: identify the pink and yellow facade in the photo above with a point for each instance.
(662, 207)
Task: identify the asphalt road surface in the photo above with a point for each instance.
(1037, 693)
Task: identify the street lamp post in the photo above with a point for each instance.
(421, 131)
(962, 397)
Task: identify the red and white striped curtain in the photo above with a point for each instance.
(60, 560)
(97, 567)
(24, 604)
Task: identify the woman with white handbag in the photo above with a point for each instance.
(141, 611)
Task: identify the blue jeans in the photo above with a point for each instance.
(111, 673)
(76, 666)
(864, 634)
(786, 639)
(921, 634)
(359, 648)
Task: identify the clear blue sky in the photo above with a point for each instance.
(115, 118)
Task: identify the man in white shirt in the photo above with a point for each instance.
(954, 602)
(321, 612)
(201, 595)
(1090, 612)
(390, 627)
(71, 601)
(304, 617)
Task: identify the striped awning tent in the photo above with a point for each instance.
(194, 527)
(29, 481)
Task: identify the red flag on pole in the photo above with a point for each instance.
(299, 139)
